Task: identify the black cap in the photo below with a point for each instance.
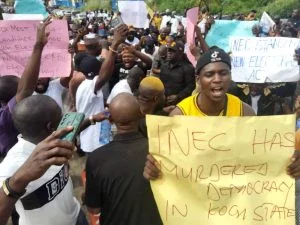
(212, 56)
(88, 65)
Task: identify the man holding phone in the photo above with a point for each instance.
(49, 199)
(34, 167)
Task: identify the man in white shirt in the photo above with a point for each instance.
(89, 103)
(131, 39)
(165, 19)
(129, 85)
(52, 88)
(149, 48)
(49, 199)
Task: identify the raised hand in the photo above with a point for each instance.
(42, 34)
(51, 151)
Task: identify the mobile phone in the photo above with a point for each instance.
(71, 119)
(116, 22)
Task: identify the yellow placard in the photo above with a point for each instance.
(223, 170)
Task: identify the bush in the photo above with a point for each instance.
(282, 8)
(96, 4)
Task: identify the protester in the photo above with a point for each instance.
(51, 196)
(149, 48)
(177, 74)
(265, 100)
(163, 34)
(129, 85)
(56, 151)
(151, 96)
(159, 59)
(157, 20)
(10, 95)
(129, 60)
(213, 75)
(131, 36)
(114, 171)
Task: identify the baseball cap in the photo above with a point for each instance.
(212, 56)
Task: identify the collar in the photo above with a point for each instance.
(128, 136)
(27, 146)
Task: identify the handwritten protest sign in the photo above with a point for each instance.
(133, 12)
(17, 39)
(192, 16)
(267, 59)
(222, 30)
(223, 170)
(266, 23)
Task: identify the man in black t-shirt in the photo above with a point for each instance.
(129, 60)
(115, 185)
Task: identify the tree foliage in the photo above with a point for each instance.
(282, 8)
(98, 4)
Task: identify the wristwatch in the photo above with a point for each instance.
(10, 192)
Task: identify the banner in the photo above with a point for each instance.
(222, 30)
(17, 39)
(133, 12)
(192, 17)
(266, 59)
(7, 16)
(30, 7)
(223, 170)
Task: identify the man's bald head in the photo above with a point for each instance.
(125, 112)
(36, 117)
(8, 88)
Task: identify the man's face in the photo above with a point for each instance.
(163, 35)
(172, 55)
(130, 36)
(214, 80)
(128, 59)
(256, 89)
(42, 85)
(180, 31)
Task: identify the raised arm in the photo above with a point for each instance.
(143, 57)
(108, 65)
(203, 45)
(30, 75)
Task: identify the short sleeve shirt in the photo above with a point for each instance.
(116, 185)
